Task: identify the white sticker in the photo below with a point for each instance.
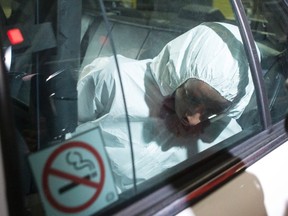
(74, 178)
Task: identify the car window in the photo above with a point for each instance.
(268, 20)
(155, 50)
(111, 98)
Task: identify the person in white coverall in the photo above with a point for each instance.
(200, 74)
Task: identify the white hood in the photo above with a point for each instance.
(213, 53)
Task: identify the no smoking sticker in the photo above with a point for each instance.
(74, 178)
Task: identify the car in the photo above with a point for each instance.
(90, 116)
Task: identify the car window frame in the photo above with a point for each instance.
(253, 59)
(248, 151)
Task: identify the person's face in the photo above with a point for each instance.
(189, 114)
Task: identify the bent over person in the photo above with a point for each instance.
(171, 99)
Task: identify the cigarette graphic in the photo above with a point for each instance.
(70, 186)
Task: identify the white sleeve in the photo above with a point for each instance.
(96, 91)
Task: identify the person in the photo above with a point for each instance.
(171, 99)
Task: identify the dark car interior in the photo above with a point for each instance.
(147, 28)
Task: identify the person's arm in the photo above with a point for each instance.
(96, 92)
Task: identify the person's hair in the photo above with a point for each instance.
(201, 93)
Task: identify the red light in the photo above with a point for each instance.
(15, 36)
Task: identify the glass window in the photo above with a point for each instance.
(268, 21)
(132, 94)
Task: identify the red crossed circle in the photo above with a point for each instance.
(49, 170)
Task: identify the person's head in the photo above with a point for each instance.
(214, 55)
(196, 101)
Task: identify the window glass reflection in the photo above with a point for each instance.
(268, 21)
(182, 101)
(176, 89)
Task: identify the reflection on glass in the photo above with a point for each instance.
(171, 99)
(268, 20)
(186, 80)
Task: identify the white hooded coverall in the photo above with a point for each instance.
(211, 52)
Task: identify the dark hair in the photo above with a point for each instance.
(200, 93)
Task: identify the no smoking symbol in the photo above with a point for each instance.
(64, 180)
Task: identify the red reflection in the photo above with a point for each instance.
(15, 36)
